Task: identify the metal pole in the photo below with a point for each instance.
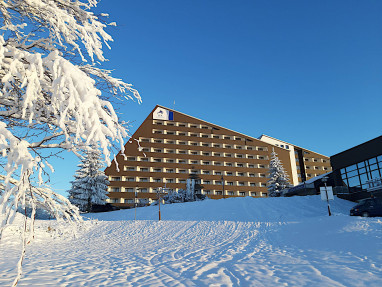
(159, 205)
(223, 186)
(327, 199)
(135, 204)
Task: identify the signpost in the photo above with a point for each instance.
(326, 193)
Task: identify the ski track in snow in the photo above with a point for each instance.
(205, 253)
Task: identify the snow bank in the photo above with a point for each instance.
(247, 209)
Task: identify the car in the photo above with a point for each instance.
(367, 207)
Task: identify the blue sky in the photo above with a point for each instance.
(306, 72)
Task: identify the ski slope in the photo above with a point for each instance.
(230, 242)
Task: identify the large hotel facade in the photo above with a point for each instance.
(171, 147)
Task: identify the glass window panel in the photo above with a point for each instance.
(373, 166)
(363, 178)
(343, 176)
(361, 164)
(350, 168)
(343, 171)
(379, 158)
(372, 160)
(354, 181)
(375, 174)
(365, 186)
(352, 173)
(362, 170)
(345, 181)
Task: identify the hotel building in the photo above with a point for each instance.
(170, 147)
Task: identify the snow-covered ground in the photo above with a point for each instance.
(228, 242)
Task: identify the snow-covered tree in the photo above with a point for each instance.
(54, 96)
(278, 178)
(90, 184)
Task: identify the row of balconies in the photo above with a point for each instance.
(200, 144)
(193, 162)
(184, 181)
(192, 134)
(192, 171)
(204, 191)
(201, 153)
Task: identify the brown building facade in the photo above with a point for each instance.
(171, 147)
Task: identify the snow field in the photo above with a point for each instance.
(231, 242)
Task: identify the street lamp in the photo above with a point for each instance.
(135, 202)
(324, 180)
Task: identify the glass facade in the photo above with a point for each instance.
(357, 175)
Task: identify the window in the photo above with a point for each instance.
(158, 141)
(219, 192)
(181, 125)
(143, 179)
(242, 193)
(183, 161)
(182, 152)
(251, 166)
(240, 165)
(193, 126)
(144, 159)
(115, 178)
(130, 179)
(158, 132)
(182, 133)
(206, 153)
(206, 172)
(193, 135)
(144, 169)
(205, 144)
(230, 193)
(217, 163)
(215, 136)
(206, 182)
(157, 180)
(157, 150)
(252, 184)
(169, 160)
(251, 175)
(206, 162)
(218, 173)
(250, 156)
(170, 151)
(228, 173)
(227, 137)
(193, 152)
(129, 168)
(240, 174)
(130, 158)
(182, 171)
(241, 183)
(239, 156)
(216, 145)
(144, 140)
(157, 169)
(228, 155)
(170, 132)
(261, 157)
(193, 143)
(157, 160)
(193, 161)
(229, 183)
(170, 142)
(228, 164)
(183, 143)
(169, 180)
(204, 136)
(182, 181)
(249, 148)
